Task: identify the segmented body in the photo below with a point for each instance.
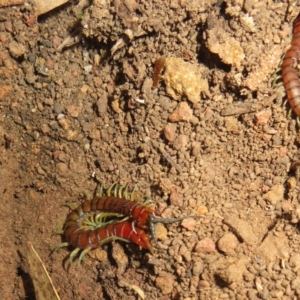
(91, 223)
(289, 70)
(124, 230)
(118, 215)
(141, 214)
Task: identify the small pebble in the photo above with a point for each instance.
(16, 50)
(58, 108)
(56, 41)
(262, 117)
(181, 113)
(3, 37)
(62, 168)
(189, 223)
(165, 283)
(45, 128)
(102, 104)
(198, 268)
(176, 198)
(74, 110)
(63, 123)
(169, 132)
(204, 284)
(206, 245)
(275, 195)
(161, 232)
(227, 243)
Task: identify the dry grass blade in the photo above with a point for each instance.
(42, 282)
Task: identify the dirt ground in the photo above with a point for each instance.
(211, 138)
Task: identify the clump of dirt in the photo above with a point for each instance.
(73, 114)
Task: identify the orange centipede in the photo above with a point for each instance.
(289, 73)
(119, 215)
(125, 231)
(143, 215)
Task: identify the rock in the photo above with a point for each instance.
(196, 149)
(206, 245)
(165, 283)
(274, 247)
(169, 132)
(45, 128)
(74, 110)
(64, 124)
(58, 108)
(102, 103)
(198, 268)
(161, 232)
(56, 41)
(4, 90)
(181, 142)
(176, 198)
(184, 79)
(189, 223)
(181, 113)
(227, 243)
(201, 210)
(203, 284)
(99, 254)
(275, 195)
(242, 228)
(16, 50)
(295, 260)
(120, 257)
(231, 270)
(95, 134)
(262, 117)
(62, 169)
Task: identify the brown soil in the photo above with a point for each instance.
(87, 114)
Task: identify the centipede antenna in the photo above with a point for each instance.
(169, 221)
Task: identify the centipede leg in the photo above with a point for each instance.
(109, 190)
(126, 191)
(59, 246)
(100, 190)
(73, 254)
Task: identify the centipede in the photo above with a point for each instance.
(289, 71)
(87, 240)
(119, 214)
(142, 215)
